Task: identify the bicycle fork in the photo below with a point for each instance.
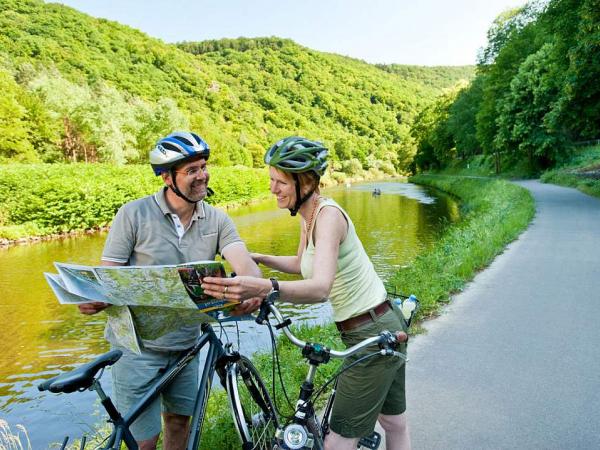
(304, 433)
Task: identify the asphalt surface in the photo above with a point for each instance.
(514, 361)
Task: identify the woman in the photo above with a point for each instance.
(334, 266)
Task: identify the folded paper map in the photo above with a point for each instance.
(176, 287)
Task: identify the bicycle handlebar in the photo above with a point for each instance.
(386, 339)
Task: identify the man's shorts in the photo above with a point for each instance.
(133, 374)
(372, 387)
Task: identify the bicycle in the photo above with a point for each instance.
(236, 373)
(304, 430)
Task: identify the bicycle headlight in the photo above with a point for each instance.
(295, 436)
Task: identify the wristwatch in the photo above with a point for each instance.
(274, 292)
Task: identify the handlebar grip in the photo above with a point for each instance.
(401, 337)
(44, 386)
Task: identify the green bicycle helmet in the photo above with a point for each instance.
(296, 155)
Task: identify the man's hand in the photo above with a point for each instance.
(246, 307)
(92, 308)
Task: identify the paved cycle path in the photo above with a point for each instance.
(514, 361)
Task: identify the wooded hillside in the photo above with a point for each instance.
(77, 88)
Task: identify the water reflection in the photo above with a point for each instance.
(42, 338)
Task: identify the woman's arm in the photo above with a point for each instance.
(331, 230)
(287, 264)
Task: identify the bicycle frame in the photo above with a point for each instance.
(214, 357)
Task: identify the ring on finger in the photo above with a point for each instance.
(225, 290)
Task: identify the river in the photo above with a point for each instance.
(40, 338)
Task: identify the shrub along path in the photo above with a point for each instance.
(513, 362)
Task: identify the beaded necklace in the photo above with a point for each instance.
(312, 216)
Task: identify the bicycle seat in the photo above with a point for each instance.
(81, 377)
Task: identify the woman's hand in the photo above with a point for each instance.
(238, 288)
(256, 257)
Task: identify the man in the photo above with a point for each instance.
(172, 226)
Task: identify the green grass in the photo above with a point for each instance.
(581, 171)
(484, 166)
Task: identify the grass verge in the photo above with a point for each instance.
(494, 212)
(581, 172)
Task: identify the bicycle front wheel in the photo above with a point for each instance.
(253, 411)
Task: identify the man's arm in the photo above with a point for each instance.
(240, 260)
(96, 307)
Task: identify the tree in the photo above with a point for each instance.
(512, 38)
(434, 140)
(577, 31)
(14, 127)
(462, 119)
(522, 124)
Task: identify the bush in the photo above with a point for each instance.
(352, 167)
(43, 199)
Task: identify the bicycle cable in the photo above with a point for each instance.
(222, 332)
(99, 447)
(318, 392)
(237, 330)
(275, 362)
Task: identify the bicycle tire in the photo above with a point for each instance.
(253, 412)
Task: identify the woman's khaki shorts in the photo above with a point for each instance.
(372, 387)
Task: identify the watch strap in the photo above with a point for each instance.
(275, 284)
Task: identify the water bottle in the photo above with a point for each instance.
(408, 307)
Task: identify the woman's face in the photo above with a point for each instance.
(283, 188)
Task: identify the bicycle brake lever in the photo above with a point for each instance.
(263, 312)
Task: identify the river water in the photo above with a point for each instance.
(41, 338)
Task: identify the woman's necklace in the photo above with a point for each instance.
(312, 216)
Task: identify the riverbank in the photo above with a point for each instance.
(43, 201)
(40, 202)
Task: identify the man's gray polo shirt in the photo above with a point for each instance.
(144, 232)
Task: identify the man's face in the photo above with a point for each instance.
(192, 179)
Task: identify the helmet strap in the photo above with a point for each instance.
(299, 201)
(176, 190)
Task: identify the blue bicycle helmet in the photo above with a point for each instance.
(176, 148)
